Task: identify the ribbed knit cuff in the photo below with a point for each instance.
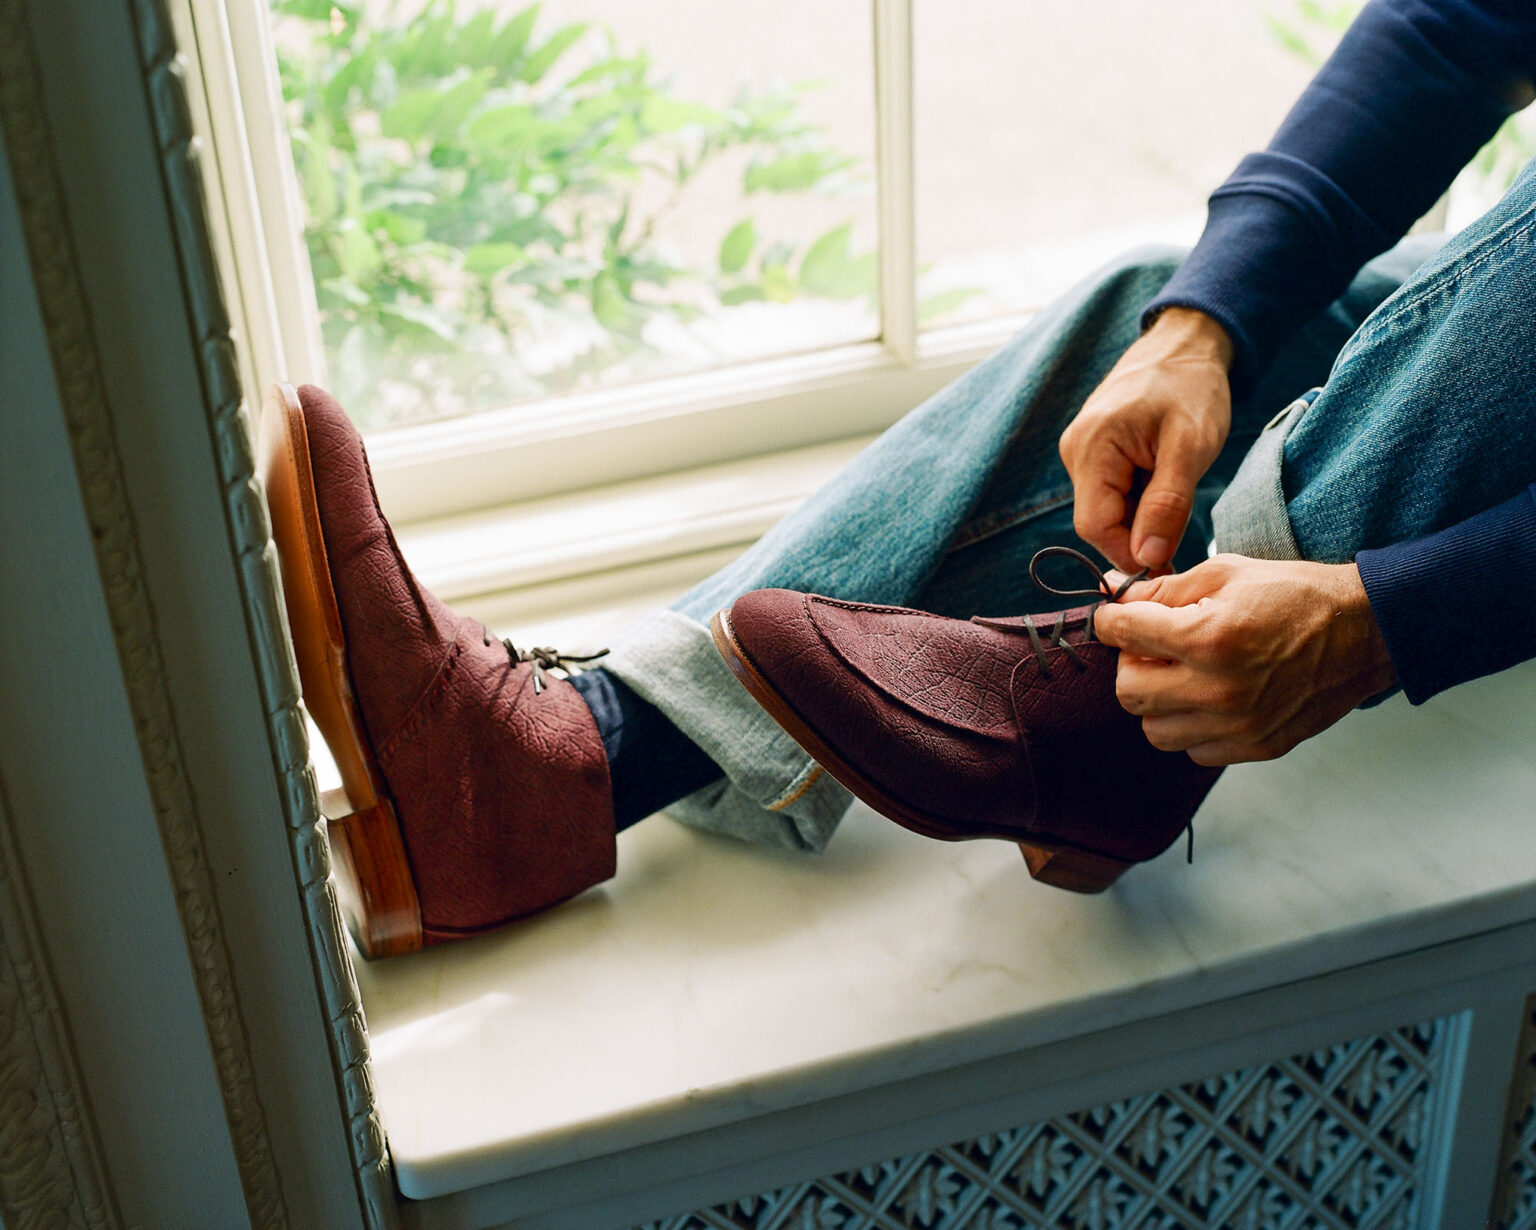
(1280, 243)
(1458, 604)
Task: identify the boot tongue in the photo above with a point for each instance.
(1072, 624)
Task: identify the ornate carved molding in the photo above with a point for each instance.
(1515, 1204)
(51, 1172)
(256, 563)
(1336, 1139)
(98, 467)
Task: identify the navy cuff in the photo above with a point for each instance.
(1458, 604)
(1281, 242)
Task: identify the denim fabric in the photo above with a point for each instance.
(944, 511)
(1427, 417)
(1249, 518)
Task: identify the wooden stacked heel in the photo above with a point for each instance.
(1077, 871)
(373, 873)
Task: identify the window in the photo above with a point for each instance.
(537, 249)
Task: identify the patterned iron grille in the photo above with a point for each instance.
(1336, 1139)
(1516, 1203)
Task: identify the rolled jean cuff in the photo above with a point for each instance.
(1250, 517)
(772, 792)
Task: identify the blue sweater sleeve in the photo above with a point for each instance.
(1459, 604)
(1413, 90)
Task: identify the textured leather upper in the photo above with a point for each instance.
(960, 723)
(502, 795)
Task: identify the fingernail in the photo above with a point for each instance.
(1154, 552)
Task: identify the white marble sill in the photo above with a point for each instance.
(710, 982)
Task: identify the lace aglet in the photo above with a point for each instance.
(538, 679)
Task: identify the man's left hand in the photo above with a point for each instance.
(1241, 659)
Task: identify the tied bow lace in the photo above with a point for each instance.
(545, 659)
(1106, 593)
(1055, 638)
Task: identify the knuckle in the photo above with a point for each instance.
(1228, 700)
(1131, 700)
(1227, 643)
(1168, 501)
(1268, 749)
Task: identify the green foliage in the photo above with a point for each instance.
(1313, 27)
(472, 179)
(827, 269)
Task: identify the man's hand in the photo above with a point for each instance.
(1241, 659)
(1163, 411)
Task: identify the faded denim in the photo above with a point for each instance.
(1419, 417)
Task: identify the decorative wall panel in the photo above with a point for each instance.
(1515, 1206)
(1337, 1139)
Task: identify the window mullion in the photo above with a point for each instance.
(268, 190)
(894, 171)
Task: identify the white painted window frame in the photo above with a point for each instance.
(587, 439)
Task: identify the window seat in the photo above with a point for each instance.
(716, 1006)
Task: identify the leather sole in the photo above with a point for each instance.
(1059, 865)
(373, 874)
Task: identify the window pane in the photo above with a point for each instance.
(1052, 136)
(507, 202)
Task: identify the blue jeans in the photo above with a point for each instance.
(1421, 376)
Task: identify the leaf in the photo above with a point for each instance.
(542, 60)
(457, 102)
(433, 112)
(488, 258)
(408, 116)
(741, 294)
(310, 10)
(663, 114)
(779, 253)
(499, 127)
(608, 302)
(402, 229)
(1291, 41)
(507, 47)
(634, 65)
(832, 272)
(795, 173)
(473, 40)
(359, 254)
(425, 321)
(358, 72)
(736, 248)
(942, 303)
(315, 175)
(778, 285)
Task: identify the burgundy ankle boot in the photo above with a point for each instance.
(959, 728)
(475, 781)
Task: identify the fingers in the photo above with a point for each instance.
(1146, 687)
(1150, 629)
(1172, 588)
(1163, 511)
(1100, 508)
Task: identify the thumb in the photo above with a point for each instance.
(1148, 629)
(1170, 589)
(1162, 511)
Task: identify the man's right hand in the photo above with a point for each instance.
(1144, 439)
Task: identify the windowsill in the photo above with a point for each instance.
(566, 565)
(713, 984)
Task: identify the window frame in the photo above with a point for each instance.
(585, 439)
